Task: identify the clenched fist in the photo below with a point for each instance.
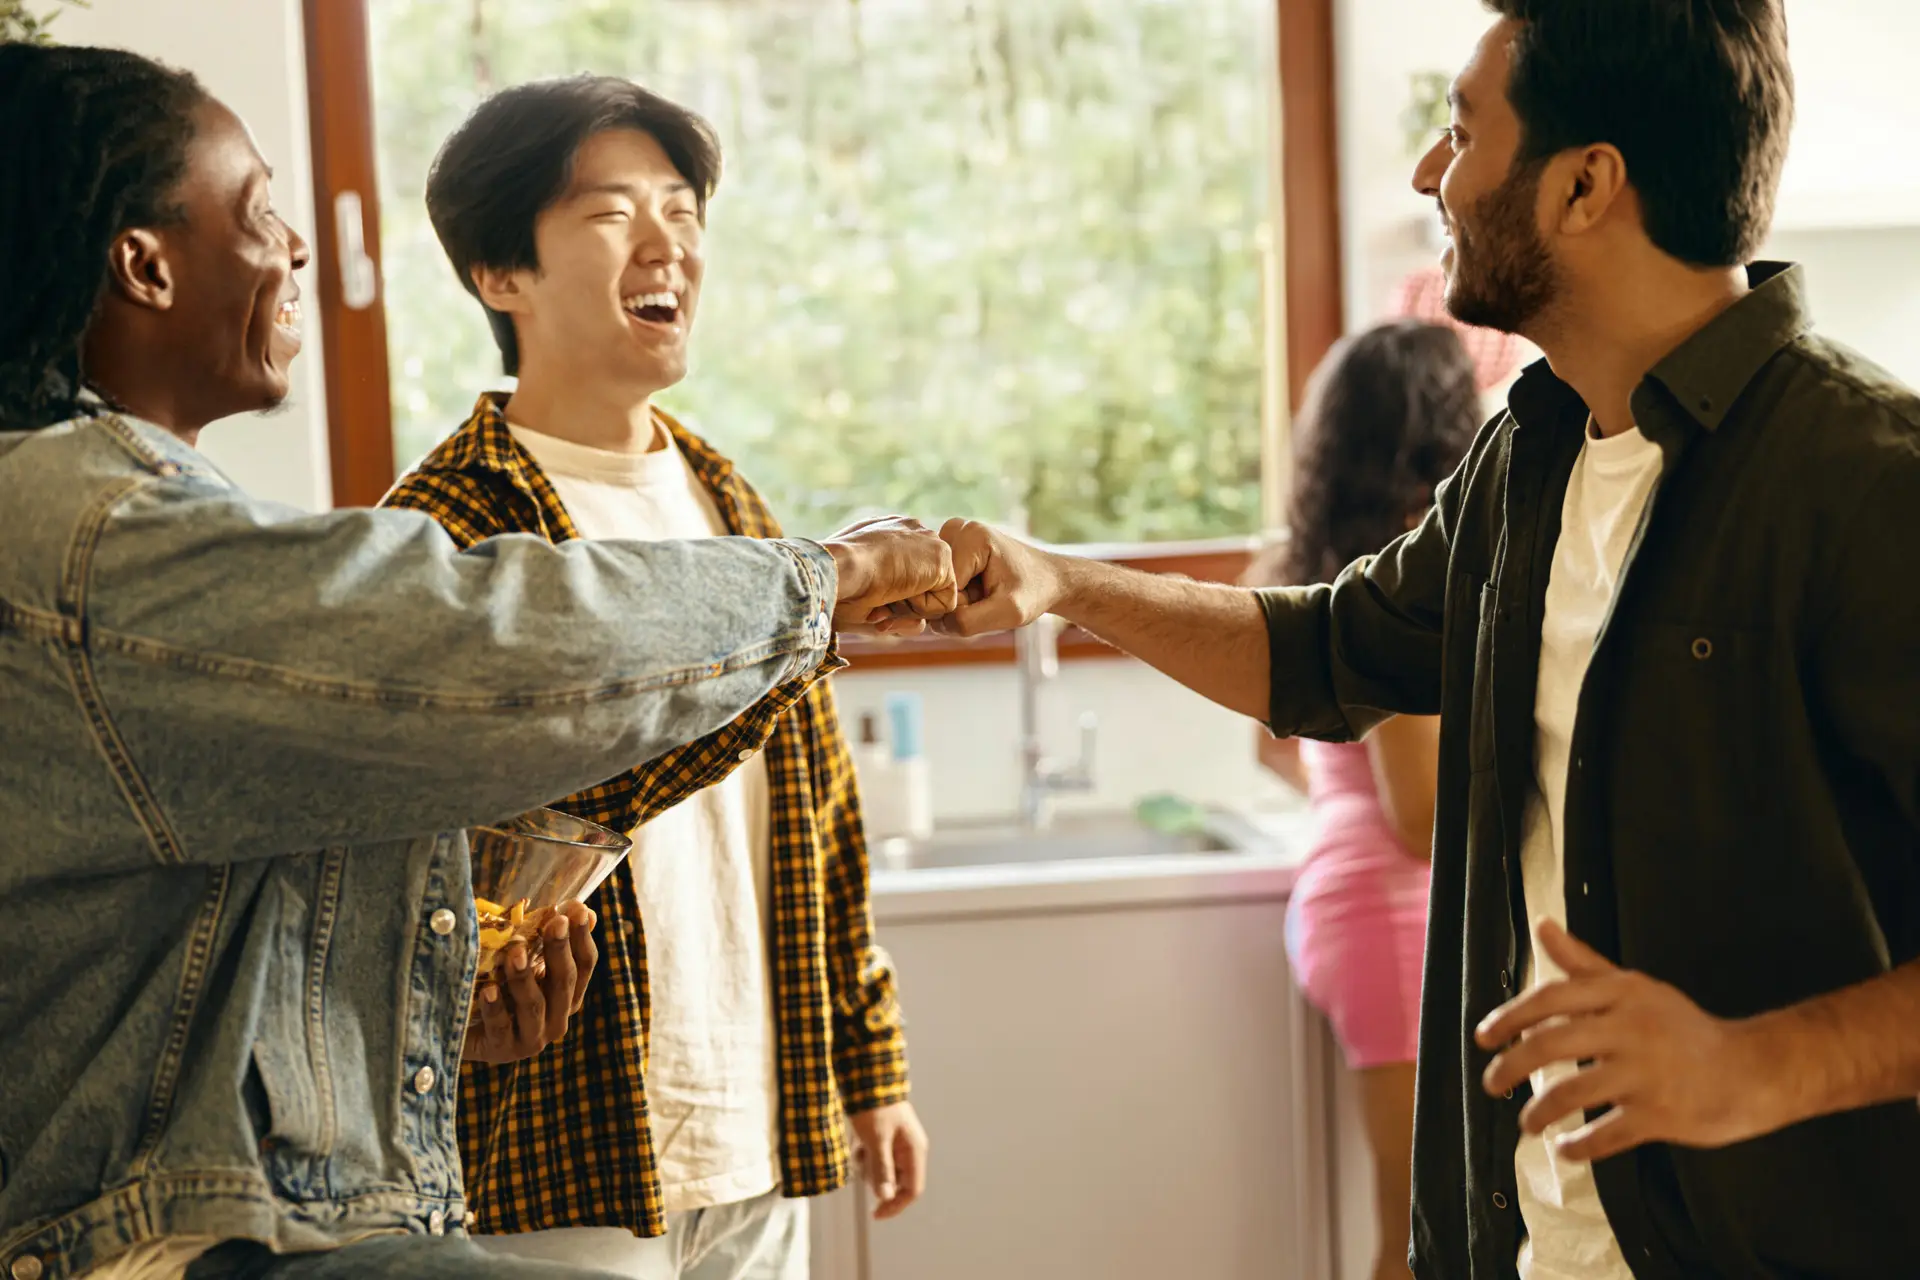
(895, 575)
(1005, 583)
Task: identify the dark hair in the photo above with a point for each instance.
(1696, 94)
(92, 142)
(1388, 415)
(513, 157)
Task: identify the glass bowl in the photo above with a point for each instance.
(527, 866)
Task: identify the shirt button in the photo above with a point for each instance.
(423, 1080)
(1499, 1201)
(442, 922)
(26, 1267)
(744, 756)
(436, 1223)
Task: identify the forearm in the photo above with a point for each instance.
(1212, 639)
(1856, 1047)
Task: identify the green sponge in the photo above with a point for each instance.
(1170, 814)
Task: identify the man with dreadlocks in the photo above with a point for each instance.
(240, 742)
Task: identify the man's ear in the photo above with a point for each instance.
(500, 288)
(1597, 184)
(138, 270)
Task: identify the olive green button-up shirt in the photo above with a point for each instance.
(1743, 803)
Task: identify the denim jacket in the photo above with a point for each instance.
(238, 748)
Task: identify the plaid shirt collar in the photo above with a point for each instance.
(485, 443)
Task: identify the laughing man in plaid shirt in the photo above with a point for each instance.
(677, 1131)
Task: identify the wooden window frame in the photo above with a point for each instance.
(1308, 312)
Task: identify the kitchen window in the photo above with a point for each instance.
(1017, 259)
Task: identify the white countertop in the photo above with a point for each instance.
(902, 896)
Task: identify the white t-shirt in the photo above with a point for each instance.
(702, 868)
(1570, 1238)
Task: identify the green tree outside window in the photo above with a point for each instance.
(18, 23)
(980, 256)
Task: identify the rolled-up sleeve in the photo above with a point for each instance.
(1368, 647)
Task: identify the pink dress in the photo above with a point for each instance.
(1357, 921)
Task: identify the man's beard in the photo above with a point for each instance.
(1503, 276)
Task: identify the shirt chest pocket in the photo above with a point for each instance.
(1691, 710)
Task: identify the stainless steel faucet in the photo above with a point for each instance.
(1037, 648)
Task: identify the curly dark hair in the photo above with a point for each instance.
(1388, 416)
(92, 142)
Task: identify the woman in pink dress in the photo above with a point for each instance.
(1388, 415)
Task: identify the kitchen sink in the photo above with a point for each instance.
(1072, 837)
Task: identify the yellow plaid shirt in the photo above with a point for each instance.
(562, 1139)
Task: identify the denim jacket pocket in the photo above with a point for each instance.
(290, 1119)
(287, 1120)
(289, 1073)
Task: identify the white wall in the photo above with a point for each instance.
(1865, 289)
(250, 54)
(1378, 46)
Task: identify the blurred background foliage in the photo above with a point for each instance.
(993, 257)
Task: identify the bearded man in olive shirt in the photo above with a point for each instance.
(1666, 612)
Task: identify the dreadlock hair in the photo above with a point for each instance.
(92, 142)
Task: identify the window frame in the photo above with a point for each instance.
(1303, 289)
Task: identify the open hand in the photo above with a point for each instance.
(524, 1014)
(891, 1148)
(1667, 1070)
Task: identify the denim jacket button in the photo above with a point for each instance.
(442, 922)
(423, 1080)
(26, 1267)
(436, 1223)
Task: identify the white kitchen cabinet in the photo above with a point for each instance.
(1118, 1078)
